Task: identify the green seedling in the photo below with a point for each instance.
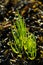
(30, 46)
(23, 39)
(19, 34)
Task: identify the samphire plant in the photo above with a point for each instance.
(23, 39)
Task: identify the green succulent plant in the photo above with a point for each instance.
(23, 39)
